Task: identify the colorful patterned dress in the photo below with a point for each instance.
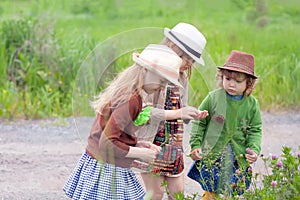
(170, 159)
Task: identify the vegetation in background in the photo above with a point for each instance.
(43, 43)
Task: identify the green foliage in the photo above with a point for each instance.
(39, 68)
(283, 179)
(43, 43)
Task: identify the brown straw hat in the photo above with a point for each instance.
(239, 61)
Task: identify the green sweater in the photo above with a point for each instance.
(237, 122)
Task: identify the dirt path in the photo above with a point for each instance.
(37, 157)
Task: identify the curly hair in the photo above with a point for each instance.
(250, 81)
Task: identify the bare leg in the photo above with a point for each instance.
(153, 185)
(175, 185)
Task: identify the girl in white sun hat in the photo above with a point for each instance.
(103, 171)
(188, 43)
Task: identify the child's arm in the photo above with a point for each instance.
(144, 153)
(184, 113)
(149, 145)
(254, 136)
(117, 135)
(199, 127)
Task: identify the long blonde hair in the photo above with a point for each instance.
(126, 83)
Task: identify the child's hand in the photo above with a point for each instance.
(143, 153)
(196, 154)
(202, 114)
(147, 144)
(188, 113)
(147, 154)
(251, 156)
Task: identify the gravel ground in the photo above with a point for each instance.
(36, 157)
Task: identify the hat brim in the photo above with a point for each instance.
(140, 62)
(234, 69)
(175, 41)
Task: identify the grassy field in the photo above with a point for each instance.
(43, 44)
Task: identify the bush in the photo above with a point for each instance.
(38, 69)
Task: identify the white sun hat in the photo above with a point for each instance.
(160, 59)
(188, 38)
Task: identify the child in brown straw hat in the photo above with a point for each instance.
(103, 171)
(227, 142)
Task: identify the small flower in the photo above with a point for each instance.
(274, 157)
(250, 170)
(298, 154)
(273, 183)
(279, 164)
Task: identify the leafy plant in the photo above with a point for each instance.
(282, 180)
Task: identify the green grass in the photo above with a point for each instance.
(43, 44)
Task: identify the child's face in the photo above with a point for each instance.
(187, 61)
(153, 82)
(234, 83)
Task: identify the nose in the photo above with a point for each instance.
(232, 83)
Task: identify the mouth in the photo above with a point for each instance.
(231, 91)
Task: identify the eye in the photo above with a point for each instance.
(240, 80)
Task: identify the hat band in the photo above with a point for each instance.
(240, 66)
(189, 49)
(165, 71)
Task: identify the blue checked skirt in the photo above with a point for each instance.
(92, 180)
(221, 178)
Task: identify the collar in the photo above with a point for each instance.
(235, 97)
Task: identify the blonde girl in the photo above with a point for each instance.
(103, 171)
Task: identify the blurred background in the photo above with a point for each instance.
(44, 42)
